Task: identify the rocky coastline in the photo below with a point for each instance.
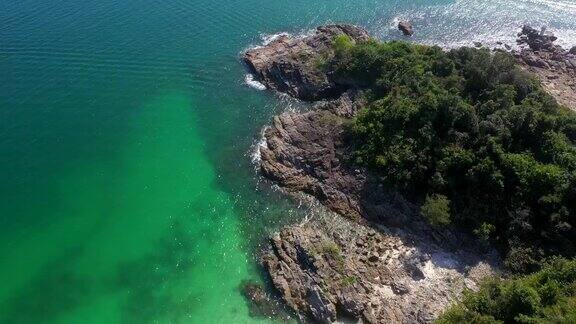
(371, 256)
(554, 65)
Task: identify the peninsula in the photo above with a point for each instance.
(438, 169)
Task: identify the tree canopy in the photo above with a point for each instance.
(547, 296)
(472, 127)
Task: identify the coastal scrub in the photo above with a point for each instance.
(471, 128)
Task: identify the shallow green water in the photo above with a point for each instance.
(128, 192)
(145, 237)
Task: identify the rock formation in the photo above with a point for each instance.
(538, 40)
(348, 267)
(332, 267)
(406, 28)
(555, 66)
(291, 64)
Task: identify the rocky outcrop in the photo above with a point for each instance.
(308, 152)
(302, 155)
(406, 28)
(327, 269)
(538, 40)
(293, 65)
(555, 66)
(540, 51)
(331, 267)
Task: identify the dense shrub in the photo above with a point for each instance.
(473, 127)
(436, 209)
(547, 296)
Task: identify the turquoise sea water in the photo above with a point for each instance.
(126, 132)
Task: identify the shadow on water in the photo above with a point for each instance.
(147, 283)
(54, 291)
(148, 279)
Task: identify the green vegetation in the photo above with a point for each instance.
(436, 209)
(476, 135)
(332, 251)
(484, 233)
(547, 296)
(330, 248)
(349, 280)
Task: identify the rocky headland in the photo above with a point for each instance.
(290, 64)
(372, 257)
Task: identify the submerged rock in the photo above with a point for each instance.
(406, 28)
(259, 302)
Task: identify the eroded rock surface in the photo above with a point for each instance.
(307, 152)
(555, 66)
(332, 267)
(293, 64)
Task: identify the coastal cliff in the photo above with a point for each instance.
(374, 257)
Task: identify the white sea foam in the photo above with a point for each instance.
(490, 22)
(249, 79)
(269, 38)
(394, 22)
(565, 6)
(265, 40)
(255, 155)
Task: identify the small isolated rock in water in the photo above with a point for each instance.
(406, 28)
(477, 44)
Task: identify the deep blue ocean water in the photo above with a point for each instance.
(127, 189)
